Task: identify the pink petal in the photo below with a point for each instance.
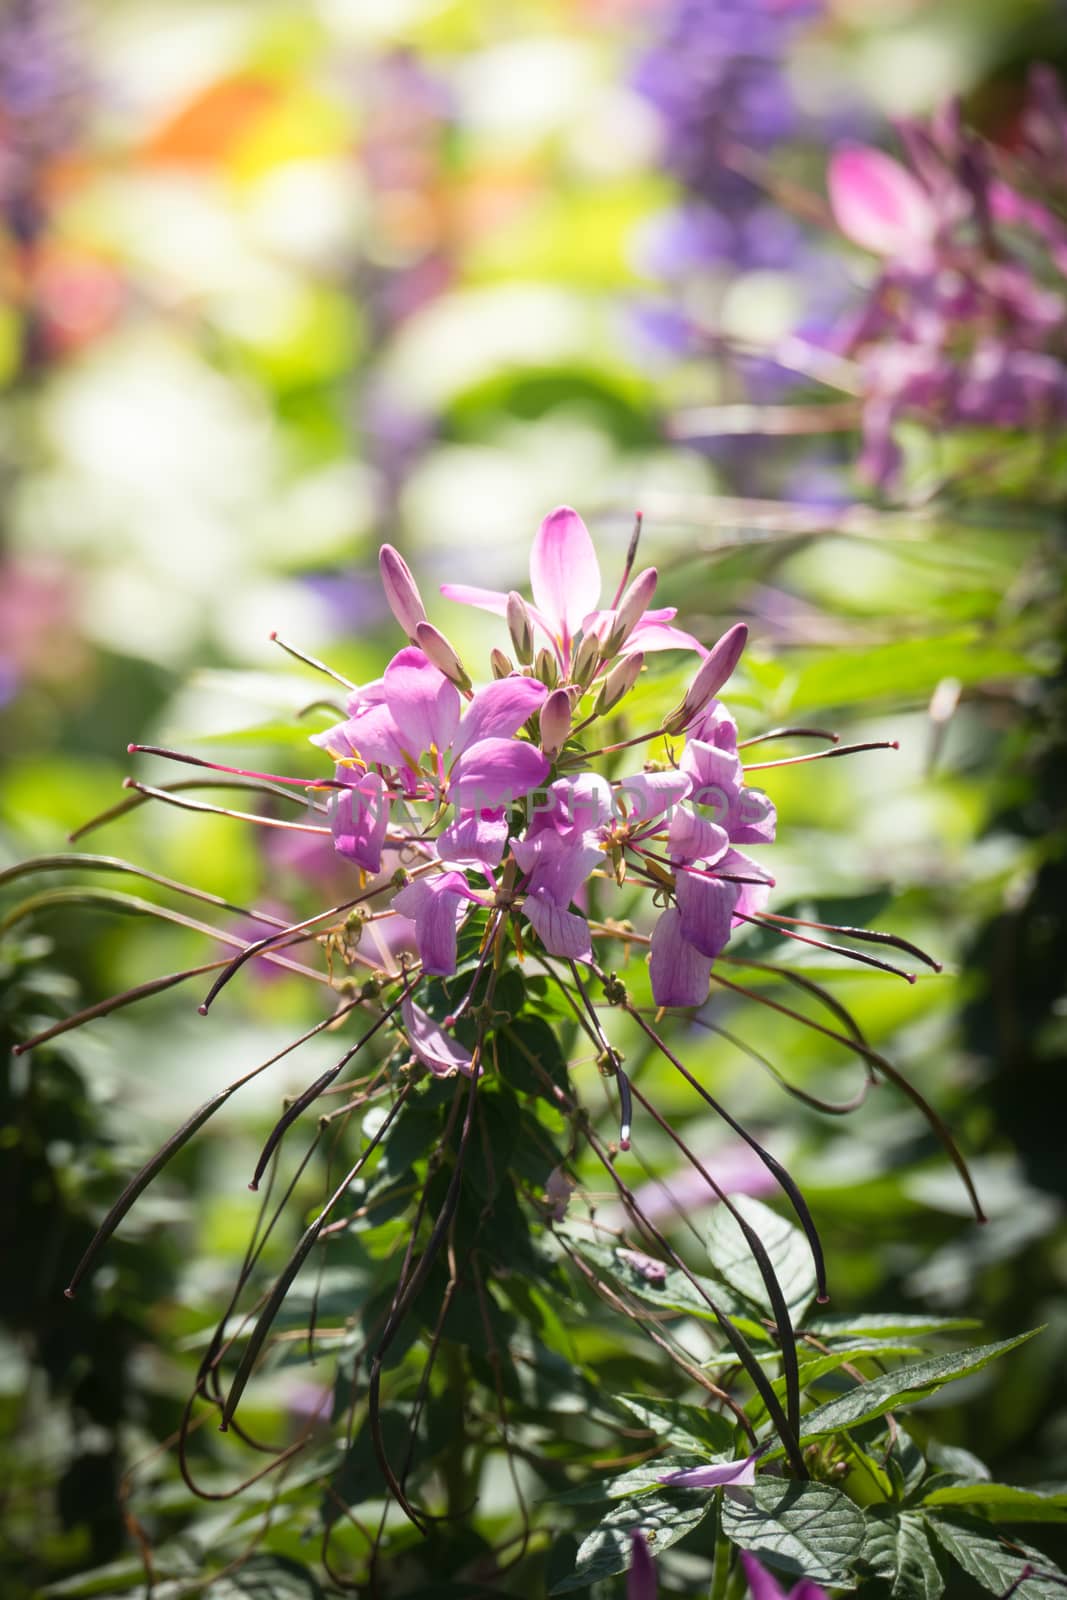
(756, 819)
(680, 974)
(561, 932)
(429, 1042)
(435, 906)
(564, 572)
(650, 635)
(424, 705)
(641, 1581)
(475, 839)
(495, 773)
(692, 837)
(359, 819)
(878, 204)
(485, 599)
(761, 1585)
(558, 863)
(650, 794)
(705, 906)
(468, 594)
(738, 1474)
(498, 711)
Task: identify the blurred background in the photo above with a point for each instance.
(282, 281)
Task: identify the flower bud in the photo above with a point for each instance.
(401, 590)
(555, 722)
(545, 668)
(586, 660)
(618, 683)
(712, 673)
(502, 667)
(436, 648)
(520, 626)
(630, 610)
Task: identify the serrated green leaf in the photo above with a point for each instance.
(902, 1387)
(663, 1519)
(898, 1549)
(689, 1426)
(889, 1324)
(789, 1252)
(995, 1565)
(808, 1530)
(1003, 1502)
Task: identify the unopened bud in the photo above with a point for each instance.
(401, 590)
(520, 626)
(618, 683)
(555, 722)
(545, 668)
(712, 673)
(502, 667)
(436, 648)
(586, 660)
(630, 610)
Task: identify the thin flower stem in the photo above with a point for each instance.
(631, 556)
(797, 1200)
(936, 1122)
(783, 1321)
(789, 733)
(871, 935)
(310, 661)
(824, 755)
(237, 772)
(171, 799)
(823, 944)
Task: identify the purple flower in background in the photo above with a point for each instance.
(958, 329)
(43, 93)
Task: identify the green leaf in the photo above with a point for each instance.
(1004, 1502)
(662, 1518)
(807, 1530)
(280, 1577)
(904, 669)
(890, 1324)
(789, 1253)
(898, 1550)
(902, 1387)
(997, 1566)
(688, 1426)
(676, 1292)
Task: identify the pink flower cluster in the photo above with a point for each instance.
(494, 798)
(959, 328)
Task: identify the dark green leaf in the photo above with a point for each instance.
(902, 1387)
(890, 1324)
(996, 1565)
(897, 1549)
(1003, 1502)
(688, 1426)
(805, 1529)
(662, 1518)
(789, 1253)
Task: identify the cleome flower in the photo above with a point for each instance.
(566, 584)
